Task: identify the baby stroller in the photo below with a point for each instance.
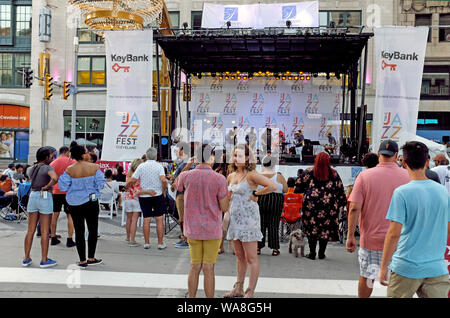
(6, 210)
(171, 216)
(23, 193)
(291, 216)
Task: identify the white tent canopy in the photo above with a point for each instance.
(434, 148)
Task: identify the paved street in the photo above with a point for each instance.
(135, 272)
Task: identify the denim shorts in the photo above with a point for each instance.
(38, 204)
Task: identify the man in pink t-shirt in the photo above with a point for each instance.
(370, 201)
(59, 197)
(205, 197)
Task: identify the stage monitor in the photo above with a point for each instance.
(315, 143)
(308, 159)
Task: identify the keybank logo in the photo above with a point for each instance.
(399, 56)
(129, 58)
(289, 12)
(231, 14)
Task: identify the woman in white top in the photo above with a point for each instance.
(271, 206)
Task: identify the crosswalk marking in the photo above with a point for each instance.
(73, 277)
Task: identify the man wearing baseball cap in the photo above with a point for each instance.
(370, 201)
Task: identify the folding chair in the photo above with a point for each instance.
(291, 216)
(112, 206)
(171, 216)
(23, 193)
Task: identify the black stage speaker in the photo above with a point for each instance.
(334, 158)
(308, 158)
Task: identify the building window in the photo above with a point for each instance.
(444, 27)
(5, 20)
(424, 20)
(196, 20)
(435, 82)
(22, 62)
(340, 18)
(91, 70)
(5, 69)
(88, 37)
(89, 131)
(23, 21)
(175, 19)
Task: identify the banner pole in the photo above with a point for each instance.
(362, 116)
(74, 96)
(344, 83)
(158, 94)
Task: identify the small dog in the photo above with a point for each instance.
(296, 238)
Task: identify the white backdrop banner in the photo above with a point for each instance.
(287, 105)
(128, 122)
(260, 16)
(400, 54)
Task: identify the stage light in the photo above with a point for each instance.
(232, 77)
(245, 77)
(268, 72)
(283, 78)
(296, 78)
(228, 73)
(290, 78)
(301, 73)
(288, 72)
(226, 77)
(221, 77)
(277, 78)
(260, 73)
(302, 78)
(250, 78)
(238, 77)
(308, 78)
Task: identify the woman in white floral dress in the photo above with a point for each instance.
(245, 225)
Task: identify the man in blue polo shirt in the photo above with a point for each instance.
(417, 237)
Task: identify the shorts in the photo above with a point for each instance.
(59, 200)
(131, 206)
(38, 204)
(204, 252)
(180, 207)
(404, 287)
(153, 206)
(369, 262)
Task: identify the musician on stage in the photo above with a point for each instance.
(332, 145)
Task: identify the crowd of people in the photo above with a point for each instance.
(402, 215)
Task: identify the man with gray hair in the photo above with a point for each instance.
(152, 196)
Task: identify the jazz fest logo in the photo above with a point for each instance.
(289, 12)
(323, 128)
(392, 125)
(217, 125)
(337, 105)
(203, 106)
(257, 108)
(128, 136)
(297, 87)
(271, 122)
(216, 85)
(231, 14)
(230, 104)
(270, 85)
(243, 123)
(242, 86)
(285, 105)
(312, 104)
(296, 125)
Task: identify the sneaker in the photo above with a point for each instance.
(146, 246)
(48, 263)
(55, 241)
(27, 262)
(133, 244)
(70, 243)
(182, 245)
(95, 261)
(82, 265)
(179, 242)
(162, 246)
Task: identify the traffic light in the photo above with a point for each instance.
(66, 90)
(186, 92)
(155, 93)
(28, 78)
(48, 86)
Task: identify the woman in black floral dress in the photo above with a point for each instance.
(323, 197)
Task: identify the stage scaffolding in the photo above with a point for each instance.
(277, 50)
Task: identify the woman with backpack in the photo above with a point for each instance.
(40, 205)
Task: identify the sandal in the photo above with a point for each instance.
(237, 291)
(249, 293)
(221, 251)
(276, 252)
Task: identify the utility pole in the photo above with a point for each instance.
(75, 83)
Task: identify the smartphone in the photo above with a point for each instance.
(44, 194)
(92, 197)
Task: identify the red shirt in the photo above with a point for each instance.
(60, 165)
(203, 189)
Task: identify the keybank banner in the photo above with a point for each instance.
(400, 56)
(289, 105)
(260, 16)
(128, 123)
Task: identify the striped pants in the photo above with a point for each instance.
(270, 208)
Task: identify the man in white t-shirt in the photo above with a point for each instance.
(152, 200)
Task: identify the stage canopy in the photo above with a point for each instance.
(310, 50)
